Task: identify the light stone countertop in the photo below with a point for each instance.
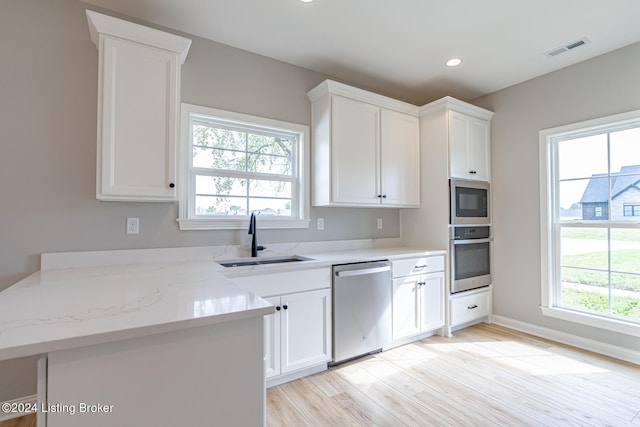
(57, 309)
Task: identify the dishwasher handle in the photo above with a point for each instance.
(362, 271)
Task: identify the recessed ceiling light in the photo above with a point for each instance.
(306, 1)
(453, 62)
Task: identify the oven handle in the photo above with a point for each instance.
(471, 241)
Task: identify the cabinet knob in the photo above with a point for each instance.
(384, 196)
(285, 306)
(472, 306)
(171, 185)
(278, 308)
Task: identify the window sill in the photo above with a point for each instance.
(613, 325)
(240, 223)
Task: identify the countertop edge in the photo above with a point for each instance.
(63, 344)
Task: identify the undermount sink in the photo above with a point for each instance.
(270, 260)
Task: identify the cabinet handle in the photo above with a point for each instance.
(171, 185)
(285, 306)
(384, 196)
(472, 306)
(278, 308)
(422, 283)
(420, 267)
(472, 172)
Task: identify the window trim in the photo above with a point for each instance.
(187, 222)
(549, 245)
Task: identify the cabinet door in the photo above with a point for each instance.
(469, 147)
(400, 159)
(272, 340)
(480, 148)
(406, 315)
(355, 147)
(137, 122)
(432, 302)
(306, 329)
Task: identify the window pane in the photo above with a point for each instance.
(625, 150)
(218, 159)
(209, 205)
(264, 188)
(625, 299)
(625, 250)
(220, 185)
(270, 207)
(583, 157)
(580, 198)
(276, 165)
(625, 196)
(584, 248)
(270, 145)
(218, 138)
(585, 290)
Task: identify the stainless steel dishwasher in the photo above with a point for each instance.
(361, 309)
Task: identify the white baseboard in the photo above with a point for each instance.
(22, 402)
(617, 352)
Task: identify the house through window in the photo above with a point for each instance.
(591, 238)
(233, 165)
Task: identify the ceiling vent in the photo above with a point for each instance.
(566, 48)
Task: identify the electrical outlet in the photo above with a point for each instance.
(379, 223)
(133, 225)
(320, 225)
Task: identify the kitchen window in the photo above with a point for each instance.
(234, 164)
(590, 235)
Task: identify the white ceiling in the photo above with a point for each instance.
(398, 47)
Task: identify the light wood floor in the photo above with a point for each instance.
(483, 376)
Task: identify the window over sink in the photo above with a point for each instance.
(234, 164)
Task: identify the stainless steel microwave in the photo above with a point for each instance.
(470, 202)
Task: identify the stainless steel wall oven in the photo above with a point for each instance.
(470, 258)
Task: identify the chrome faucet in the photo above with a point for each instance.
(254, 240)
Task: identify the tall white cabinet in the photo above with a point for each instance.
(365, 148)
(455, 142)
(138, 109)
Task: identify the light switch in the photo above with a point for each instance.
(320, 225)
(379, 223)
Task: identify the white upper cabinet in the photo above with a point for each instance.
(365, 149)
(138, 109)
(469, 147)
(465, 130)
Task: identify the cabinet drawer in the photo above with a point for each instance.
(467, 308)
(269, 284)
(422, 265)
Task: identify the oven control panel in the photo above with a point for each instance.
(465, 233)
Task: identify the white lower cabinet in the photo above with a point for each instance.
(417, 304)
(470, 306)
(298, 335)
(418, 297)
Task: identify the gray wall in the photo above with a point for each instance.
(599, 87)
(48, 104)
